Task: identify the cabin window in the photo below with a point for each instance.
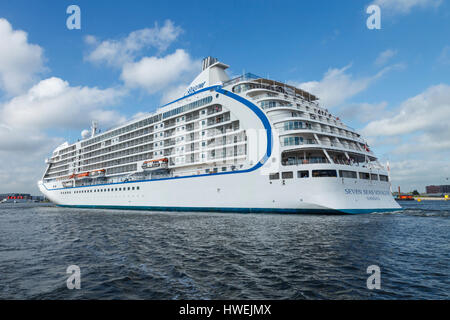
(348, 174)
(274, 176)
(224, 168)
(287, 175)
(295, 125)
(364, 176)
(324, 173)
(384, 178)
(132, 188)
(303, 174)
(374, 177)
(137, 188)
(293, 141)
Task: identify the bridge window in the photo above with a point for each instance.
(303, 174)
(324, 173)
(374, 177)
(348, 174)
(364, 176)
(287, 175)
(274, 176)
(384, 178)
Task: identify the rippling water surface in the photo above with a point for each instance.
(153, 255)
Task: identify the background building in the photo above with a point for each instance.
(21, 196)
(438, 189)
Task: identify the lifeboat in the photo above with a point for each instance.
(155, 164)
(82, 175)
(98, 173)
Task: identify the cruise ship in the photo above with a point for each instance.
(247, 144)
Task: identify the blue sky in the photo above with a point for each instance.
(392, 84)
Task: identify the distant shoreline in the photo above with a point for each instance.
(431, 198)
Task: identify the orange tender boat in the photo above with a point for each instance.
(82, 175)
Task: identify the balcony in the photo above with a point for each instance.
(303, 161)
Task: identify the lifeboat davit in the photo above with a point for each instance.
(67, 184)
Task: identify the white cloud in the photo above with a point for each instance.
(167, 74)
(363, 112)
(53, 103)
(34, 110)
(154, 74)
(416, 137)
(174, 92)
(405, 6)
(20, 61)
(338, 85)
(413, 174)
(22, 154)
(385, 56)
(429, 111)
(118, 52)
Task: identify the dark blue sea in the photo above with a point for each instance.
(190, 255)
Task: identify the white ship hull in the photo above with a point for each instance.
(240, 192)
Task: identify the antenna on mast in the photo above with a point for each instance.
(94, 128)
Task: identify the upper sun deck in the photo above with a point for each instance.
(258, 82)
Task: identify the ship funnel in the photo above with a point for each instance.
(207, 62)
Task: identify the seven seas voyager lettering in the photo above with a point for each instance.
(366, 192)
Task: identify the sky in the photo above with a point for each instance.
(129, 57)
